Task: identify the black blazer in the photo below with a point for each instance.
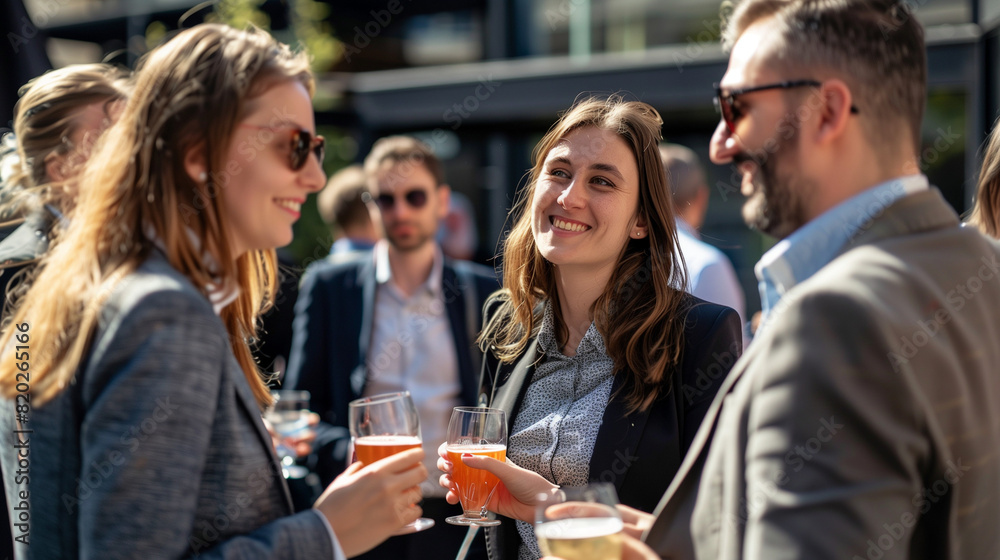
(21, 246)
(332, 331)
(640, 452)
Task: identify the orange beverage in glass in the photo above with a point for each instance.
(372, 448)
(475, 486)
(478, 431)
(381, 426)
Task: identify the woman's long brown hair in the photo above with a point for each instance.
(639, 313)
(190, 94)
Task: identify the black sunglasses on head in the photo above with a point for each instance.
(302, 142)
(725, 103)
(416, 198)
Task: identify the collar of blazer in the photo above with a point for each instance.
(920, 212)
(505, 389)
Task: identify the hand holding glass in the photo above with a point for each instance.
(289, 416)
(381, 426)
(479, 431)
(580, 523)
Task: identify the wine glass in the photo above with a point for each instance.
(580, 523)
(479, 431)
(381, 426)
(289, 416)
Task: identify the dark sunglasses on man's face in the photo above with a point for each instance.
(416, 198)
(725, 103)
(302, 142)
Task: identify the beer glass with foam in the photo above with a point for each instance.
(580, 523)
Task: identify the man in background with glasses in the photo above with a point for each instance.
(863, 420)
(400, 317)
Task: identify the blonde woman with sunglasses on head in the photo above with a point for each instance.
(128, 361)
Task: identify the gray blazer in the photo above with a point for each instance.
(156, 449)
(864, 422)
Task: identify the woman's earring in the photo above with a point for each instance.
(203, 177)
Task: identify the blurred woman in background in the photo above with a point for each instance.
(57, 120)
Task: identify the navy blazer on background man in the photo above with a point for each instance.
(332, 332)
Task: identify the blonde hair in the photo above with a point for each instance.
(639, 313)
(986, 210)
(45, 116)
(190, 94)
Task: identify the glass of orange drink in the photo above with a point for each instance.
(381, 426)
(479, 431)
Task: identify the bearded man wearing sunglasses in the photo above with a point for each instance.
(400, 317)
(863, 420)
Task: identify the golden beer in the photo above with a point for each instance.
(581, 538)
(372, 448)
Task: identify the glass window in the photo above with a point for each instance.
(627, 25)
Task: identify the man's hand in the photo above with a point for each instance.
(636, 521)
(516, 494)
(365, 505)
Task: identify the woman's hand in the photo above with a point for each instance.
(516, 494)
(365, 505)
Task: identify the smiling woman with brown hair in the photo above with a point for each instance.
(593, 348)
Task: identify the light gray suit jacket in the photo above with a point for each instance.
(157, 449)
(864, 423)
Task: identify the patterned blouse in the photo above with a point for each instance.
(556, 429)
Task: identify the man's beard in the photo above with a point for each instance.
(776, 205)
(408, 243)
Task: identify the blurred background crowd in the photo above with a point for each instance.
(482, 80)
